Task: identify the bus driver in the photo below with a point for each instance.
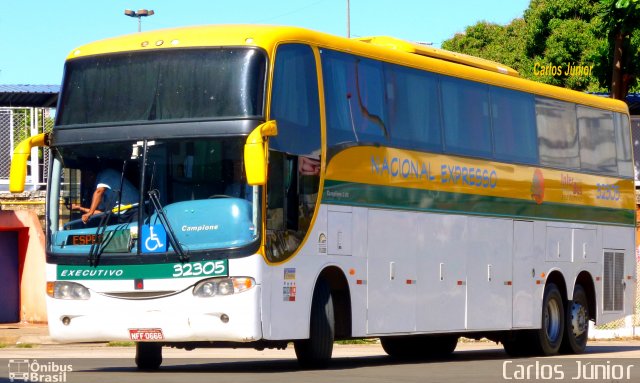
(106, 194)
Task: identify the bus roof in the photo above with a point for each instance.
(381, 48)
(442, 54)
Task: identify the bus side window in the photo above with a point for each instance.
(558, 147)
(623, 146)
(514, 126)
(294, 103)
(467, 124)
(294, 155)
(292, 192)
(597, 140)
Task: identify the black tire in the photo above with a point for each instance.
(400, 347)
(148, 355)
(316, 351)
(576, 331)
(547, 340)
(518, 344)
(440, 346)
(419, 346)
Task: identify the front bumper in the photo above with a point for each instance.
(180, 318)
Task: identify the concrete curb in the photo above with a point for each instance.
(24, 333)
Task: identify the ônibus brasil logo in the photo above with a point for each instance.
(31, 371)
(537, 186)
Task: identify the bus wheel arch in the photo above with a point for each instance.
(329, 316)
(586, 281)
(557, 279)
(341, 300)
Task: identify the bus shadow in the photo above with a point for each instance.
(262, 366)
(610, 348)
(271, 366)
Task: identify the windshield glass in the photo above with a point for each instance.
(136, 198)
(168, 84)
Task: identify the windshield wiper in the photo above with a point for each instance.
(98, 244)
(177, 247)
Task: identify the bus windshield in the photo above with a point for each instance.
(138, 87)
(133, 198)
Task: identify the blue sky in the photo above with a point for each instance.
(37, 35)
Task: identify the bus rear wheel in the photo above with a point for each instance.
(548, 339)
(316, 351)
(148, 355)
(577, 323)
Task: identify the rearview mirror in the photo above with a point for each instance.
(21, 154)
(255, 153)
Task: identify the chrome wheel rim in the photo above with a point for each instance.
(552, 320)
(579, 321)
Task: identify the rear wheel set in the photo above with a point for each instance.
(564, 328)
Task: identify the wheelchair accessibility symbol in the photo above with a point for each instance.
(154, 239)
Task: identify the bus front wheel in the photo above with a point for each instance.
(316, 351)
(148, 355)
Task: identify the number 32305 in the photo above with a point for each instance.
(216, 268)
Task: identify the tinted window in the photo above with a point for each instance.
(467, 125)
(514, 126)
(413, 108)
(623, 144)
(294, 161)
(557, 133)
(294, 103)
(163, 85)
(597, 144)
(355, 98)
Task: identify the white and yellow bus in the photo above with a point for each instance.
(292, 186)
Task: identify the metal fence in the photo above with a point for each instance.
(17, 124)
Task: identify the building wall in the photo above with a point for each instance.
(31, 253)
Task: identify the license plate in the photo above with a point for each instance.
(146, 334)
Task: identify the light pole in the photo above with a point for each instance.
(348, 20)
(140, 14)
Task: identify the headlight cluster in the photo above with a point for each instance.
(67, 290)
(222, 286)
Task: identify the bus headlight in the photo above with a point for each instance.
(222, 286)
(67, 290)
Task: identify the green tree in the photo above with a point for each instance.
(503, 44)
(560, 33)
(621, 19)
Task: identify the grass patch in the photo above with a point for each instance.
(24, 345)
(121, 344)
(3, 345)
(357, 341)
